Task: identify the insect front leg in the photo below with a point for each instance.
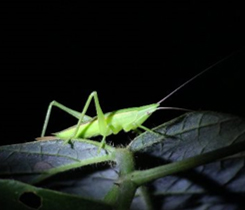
(135, 126)
(155, 132)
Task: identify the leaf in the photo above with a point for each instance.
(17, 195)
(35, 161)
(191, 134)
(217, 185)
(88, 182)
(186, 136)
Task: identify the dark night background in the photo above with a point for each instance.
(131, 53)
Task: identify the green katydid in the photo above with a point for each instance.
(113, 122)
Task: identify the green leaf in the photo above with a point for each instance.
(33, 162)
(20, 196)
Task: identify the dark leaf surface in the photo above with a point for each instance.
(89, 182)
(191, 134)
(38, 160)
(217, 185)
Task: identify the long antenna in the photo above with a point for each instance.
(197, 75)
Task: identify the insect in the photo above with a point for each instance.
(112, 122)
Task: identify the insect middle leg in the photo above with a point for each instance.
(104, 128)
(100, 115)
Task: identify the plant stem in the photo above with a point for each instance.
(145, 176)
(123, 191)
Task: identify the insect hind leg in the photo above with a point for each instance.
(60, 106)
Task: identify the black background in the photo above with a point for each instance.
(131, 53)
